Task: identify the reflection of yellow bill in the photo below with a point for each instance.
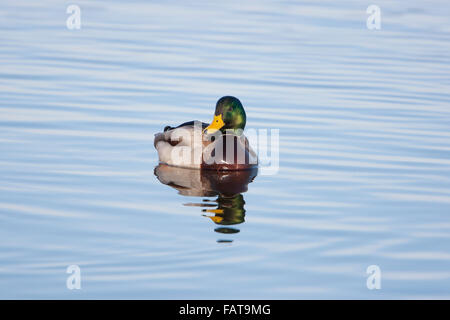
(216, 219)
(215, 125)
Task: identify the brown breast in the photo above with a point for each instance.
(228, 152)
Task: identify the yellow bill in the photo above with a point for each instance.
(215, 125)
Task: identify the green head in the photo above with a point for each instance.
(229, 115)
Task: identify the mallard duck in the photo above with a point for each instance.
(220, 145)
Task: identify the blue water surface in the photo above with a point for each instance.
(364, 126)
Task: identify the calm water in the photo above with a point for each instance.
(364, 120)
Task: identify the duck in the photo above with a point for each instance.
(220, 145)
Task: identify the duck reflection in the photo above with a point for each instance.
(227, 186)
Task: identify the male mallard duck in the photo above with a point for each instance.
(218, 146)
